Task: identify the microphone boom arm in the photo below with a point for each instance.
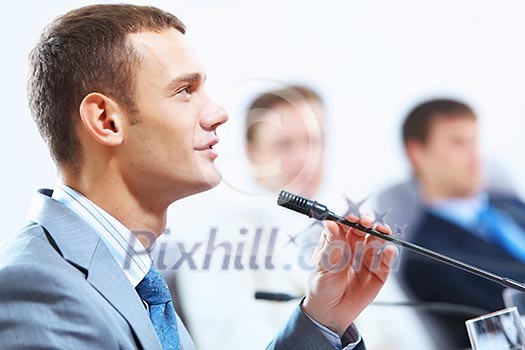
(319, 211)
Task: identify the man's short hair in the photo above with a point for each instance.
(269, 99)
(418, 124)
(86, 50)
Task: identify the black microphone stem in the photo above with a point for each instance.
(437, 307)
(319, 211)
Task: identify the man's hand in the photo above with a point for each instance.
(350, 269)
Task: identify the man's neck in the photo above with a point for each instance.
(136, 212)
(434, 196)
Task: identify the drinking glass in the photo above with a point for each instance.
(500, 330)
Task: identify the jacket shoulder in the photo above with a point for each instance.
(28, 247)
(44, 299)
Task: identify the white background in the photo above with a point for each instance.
(371, 60)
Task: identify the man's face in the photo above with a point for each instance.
(449, 162)
(169, 150)
(287, 147)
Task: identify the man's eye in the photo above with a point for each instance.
(185, 91)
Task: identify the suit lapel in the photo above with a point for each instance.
(512, 207)
(80, 245)
(106, 276)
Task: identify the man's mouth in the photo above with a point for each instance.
(208, 148)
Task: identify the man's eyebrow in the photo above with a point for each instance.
(186, 78)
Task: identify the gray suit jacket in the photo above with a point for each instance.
(60, 288)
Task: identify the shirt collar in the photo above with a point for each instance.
(461, 211)
(123, 245)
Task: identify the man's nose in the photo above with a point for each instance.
(213, 116)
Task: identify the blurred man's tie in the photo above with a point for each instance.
(500, 229)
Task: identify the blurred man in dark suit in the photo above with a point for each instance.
(458, 217)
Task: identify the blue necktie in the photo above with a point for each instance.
(154, 291)
(499, 228)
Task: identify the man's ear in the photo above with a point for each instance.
(102, 118)
(414, 150)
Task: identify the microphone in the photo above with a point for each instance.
(319, 211)
(260, 295)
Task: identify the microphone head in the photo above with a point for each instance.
(305, 206)
(294, 202)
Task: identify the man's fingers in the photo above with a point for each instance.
(332, 257)
(331, 250)
(384, 228)
(390, 254)
(378, 261)
(335, 231)
(319, 247)
(365, 220)
(352, 218)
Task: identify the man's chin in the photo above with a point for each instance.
(210, 179)
(202, 184)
